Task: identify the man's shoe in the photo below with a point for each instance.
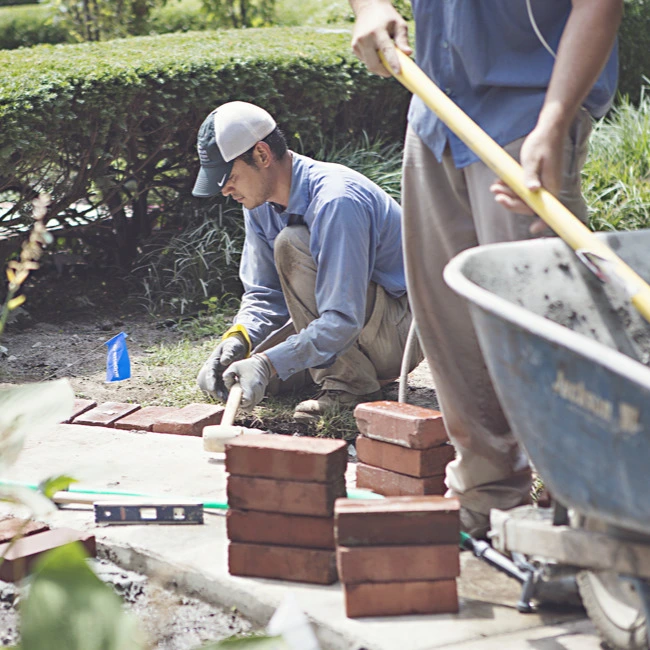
(329, 402)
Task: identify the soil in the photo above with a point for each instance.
(169, 620)
(61, 329)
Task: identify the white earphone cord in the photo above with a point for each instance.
(533, 23)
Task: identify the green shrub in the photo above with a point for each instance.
(241, 13)
(634, 48)
(180, 16)
(40, 23)
(29, 25)
(35, 26)
(182, 272)
(616, 177)
(12, 3)
(102, 20)
(110, 128)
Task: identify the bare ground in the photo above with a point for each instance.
(61, 330)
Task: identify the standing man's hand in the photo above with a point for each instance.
(541, 159)
(379, 27)
(234, 348)
(253, 375)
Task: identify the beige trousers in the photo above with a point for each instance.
(445, 211)
(376, 356)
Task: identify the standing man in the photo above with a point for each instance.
(323, 246)
(531, 73)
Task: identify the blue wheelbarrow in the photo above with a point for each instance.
(569, 358)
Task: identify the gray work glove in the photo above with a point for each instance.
(253, 375)
(210, 378)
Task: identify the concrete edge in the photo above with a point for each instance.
(216, 591)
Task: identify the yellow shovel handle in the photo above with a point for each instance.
(563, 222)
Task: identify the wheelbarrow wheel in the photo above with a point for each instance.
(615, 609)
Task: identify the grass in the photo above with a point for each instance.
(173, 368)
(616, 178)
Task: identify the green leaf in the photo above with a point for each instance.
(70, 607)
(35, 501)
(50, 486)
(23, 408)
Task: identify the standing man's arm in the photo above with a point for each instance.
(379, 27)
(584, 48)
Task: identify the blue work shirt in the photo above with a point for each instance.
(355, 238)
(486, 56)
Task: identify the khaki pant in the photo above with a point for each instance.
(376, 357)
(445, 211)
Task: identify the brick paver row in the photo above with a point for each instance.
(188, 420)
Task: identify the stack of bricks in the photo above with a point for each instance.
(398, 556)
(402, 450)
(281, 494)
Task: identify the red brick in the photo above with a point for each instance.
(401, 598)
(282, 563)
(19, 559)
(11, 526)
(289, 497)
(80, 406)
(358, 564)
(412, 462)
(397, 521)
(392, 484)
(105, 415)
(280, 529)
(190, 420)
(287, 457)
(144, 418)
(402, 424)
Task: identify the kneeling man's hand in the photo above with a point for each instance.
(209, 380)
(253, 374)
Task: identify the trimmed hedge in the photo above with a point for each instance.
(28, 26)
(114, 124)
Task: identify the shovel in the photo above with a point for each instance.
(599, 258)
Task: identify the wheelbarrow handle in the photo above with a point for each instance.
(561, 220)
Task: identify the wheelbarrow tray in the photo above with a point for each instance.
(567, 356)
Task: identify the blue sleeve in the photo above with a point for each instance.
(263, 308)
(341, 242)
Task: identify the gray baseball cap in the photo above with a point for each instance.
(228, 132)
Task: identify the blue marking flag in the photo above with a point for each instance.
(118, 365)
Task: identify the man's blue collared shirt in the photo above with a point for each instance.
(355, 238)
(486, 56)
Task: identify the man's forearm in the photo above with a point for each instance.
(584, 49)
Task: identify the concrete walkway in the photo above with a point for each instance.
(195, 557)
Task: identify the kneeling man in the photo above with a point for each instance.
(323, 248)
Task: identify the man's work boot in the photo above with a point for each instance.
(330, 402)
